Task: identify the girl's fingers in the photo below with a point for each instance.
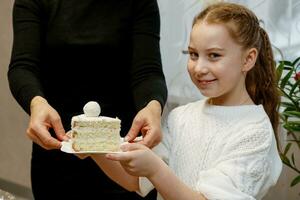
(131, 146)
(122, 156)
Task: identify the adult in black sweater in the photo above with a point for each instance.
(68, 52)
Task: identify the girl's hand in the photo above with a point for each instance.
(137, 160)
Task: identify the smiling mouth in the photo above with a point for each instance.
(205, 82)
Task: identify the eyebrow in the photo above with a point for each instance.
(191, 48)
(215, 49)
(187, 51)
(209, 49)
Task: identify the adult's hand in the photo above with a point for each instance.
(148, 122)
(42, 118)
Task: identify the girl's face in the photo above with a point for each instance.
(216, 64)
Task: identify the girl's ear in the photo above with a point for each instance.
(249, 59)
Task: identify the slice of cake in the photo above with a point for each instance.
(91, 132)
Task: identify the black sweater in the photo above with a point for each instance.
(74, 51)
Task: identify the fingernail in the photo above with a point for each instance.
(126, 138)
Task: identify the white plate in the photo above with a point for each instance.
(66, 146)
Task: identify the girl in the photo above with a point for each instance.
(222, 147)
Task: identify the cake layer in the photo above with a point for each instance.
(103, 139)
(96, 124)
(95, 133)
(83, 145)
(86, 132)
(96, 144)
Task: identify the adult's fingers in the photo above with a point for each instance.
(151, 138)
(135, 128)
(45, 138)
(32, 136)
(58, 128)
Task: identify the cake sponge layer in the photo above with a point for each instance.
(95, 133)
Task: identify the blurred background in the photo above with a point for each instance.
(280, 18)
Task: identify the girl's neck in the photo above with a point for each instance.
(245, 100)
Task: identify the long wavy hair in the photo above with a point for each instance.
(244, 28)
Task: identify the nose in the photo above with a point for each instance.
(201, 67)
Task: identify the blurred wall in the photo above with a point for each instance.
(15, 148)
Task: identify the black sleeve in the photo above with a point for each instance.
(23, 73)
(148, 81)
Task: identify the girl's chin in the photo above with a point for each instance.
(207, 92)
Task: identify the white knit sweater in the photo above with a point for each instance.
(224, 152)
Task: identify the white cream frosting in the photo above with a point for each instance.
(92, 109)
(83, 117)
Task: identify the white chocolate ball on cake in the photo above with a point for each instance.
(92, 109)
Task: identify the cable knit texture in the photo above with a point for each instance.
(224, 152)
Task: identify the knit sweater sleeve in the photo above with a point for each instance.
(162, 150)
(148, 81)
(243, 171)
(23, 73)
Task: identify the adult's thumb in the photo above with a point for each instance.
(134, 130)
(59, 129)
